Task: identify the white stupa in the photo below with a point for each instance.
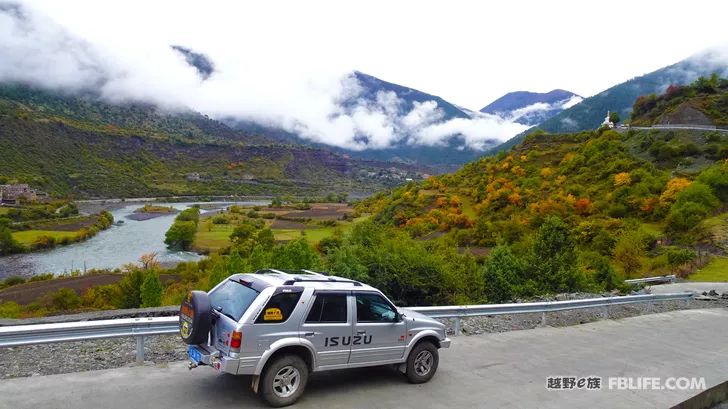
(607, 122)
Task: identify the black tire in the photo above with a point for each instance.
(273, 395)
(195, 318)
(416, 372)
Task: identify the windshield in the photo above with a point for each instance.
(232, 299)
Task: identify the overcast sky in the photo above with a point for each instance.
(466, 52)
(286, 62)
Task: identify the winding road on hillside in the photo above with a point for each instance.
(504, 370)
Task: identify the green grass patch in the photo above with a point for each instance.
(28, 237)
(653, 229)
(215, 239)
(468, 208)
(4, 211)
(716, 270)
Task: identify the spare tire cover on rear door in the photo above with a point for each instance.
(195, 317)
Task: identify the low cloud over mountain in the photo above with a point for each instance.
(341, 107)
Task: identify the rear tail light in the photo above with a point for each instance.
(236, 340)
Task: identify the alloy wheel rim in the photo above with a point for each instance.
(423, 363)
(286, 381)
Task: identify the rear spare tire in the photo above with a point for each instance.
(195, 318)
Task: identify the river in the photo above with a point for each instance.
(111, 248)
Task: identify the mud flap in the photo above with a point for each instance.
(254, 383)
(401, 367)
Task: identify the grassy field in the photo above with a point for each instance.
(29, 237)
(215, 239)
(716, 270)
(4, 210)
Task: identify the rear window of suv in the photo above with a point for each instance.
(232, 299)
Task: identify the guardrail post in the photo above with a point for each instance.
(140, 349)
(649, 307)
(543, 319)
(456, 331)
(606, 312)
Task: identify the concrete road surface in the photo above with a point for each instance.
(692, 286)
(506, 370)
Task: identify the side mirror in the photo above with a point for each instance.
(399, 317)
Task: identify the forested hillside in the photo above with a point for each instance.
(81, 147)
(615, 204)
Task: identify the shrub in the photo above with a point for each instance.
(677, 256)
(151, 290)
(65, 299)
(130, 288)
(220, 219)
(9, 309)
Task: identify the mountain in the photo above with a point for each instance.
(628, 201)
(80, 146)
(371, 87)
(399, 104)
(532, 108)
(590, 113)
(199, 61)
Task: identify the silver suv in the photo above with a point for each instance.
(280, 326)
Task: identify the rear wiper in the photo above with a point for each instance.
(219, 309)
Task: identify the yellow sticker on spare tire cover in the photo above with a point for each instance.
(273, 314)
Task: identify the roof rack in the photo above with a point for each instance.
(322, 274)
(327, 280)
(272, 271)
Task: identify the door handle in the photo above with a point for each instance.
(309, 334)
(361, 332)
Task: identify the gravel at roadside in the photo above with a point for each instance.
(68, 357)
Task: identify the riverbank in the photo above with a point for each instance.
(47, 234)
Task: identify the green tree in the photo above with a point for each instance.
(629, 250)
(296, 254)
(151, 290)
(180, 235)
(130, 287)
(242, 233)
(265, 238)
(8, 245)
(554, 258)
(502, 273)
(614, 117)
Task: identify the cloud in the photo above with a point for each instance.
(324, 106)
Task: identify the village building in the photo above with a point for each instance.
(12, 194)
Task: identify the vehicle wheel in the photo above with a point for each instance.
(422, 362)
(284, 380)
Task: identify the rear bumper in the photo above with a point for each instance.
(212, 358)
(445, 343)
(232, 365)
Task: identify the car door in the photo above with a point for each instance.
(328, 325)
(379, 332)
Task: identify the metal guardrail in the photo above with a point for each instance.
(659, 279)
(464, 311)
(140, 328)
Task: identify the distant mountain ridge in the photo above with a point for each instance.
(532, 108)
(590, 113)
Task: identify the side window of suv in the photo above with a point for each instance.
(279, 308)
(328, 308)
(374, 308)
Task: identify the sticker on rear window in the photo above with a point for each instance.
(273, 314)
